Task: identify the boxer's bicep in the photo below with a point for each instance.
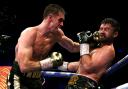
(25, 50)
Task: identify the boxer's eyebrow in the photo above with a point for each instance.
(61, 20)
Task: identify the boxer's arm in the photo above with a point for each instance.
(73, 66)
(100, 58)
(69, 66)
(68, 43)
(84, 40)
(25, 50)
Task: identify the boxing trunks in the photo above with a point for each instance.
(81, 82)
(18, 80)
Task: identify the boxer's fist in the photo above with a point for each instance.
(84, 37)
(54, 60)
(96, 36)
(87, 40)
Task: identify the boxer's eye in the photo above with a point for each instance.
(61, 20)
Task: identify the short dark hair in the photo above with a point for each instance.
(115, 24)
(52, 9)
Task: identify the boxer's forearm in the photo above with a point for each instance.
(76, 47)
(69, 66)
(69, 44)
(73, 66)
(53, 61)
(29, 66)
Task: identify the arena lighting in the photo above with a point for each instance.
(4, 37)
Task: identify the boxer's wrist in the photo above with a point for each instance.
(46, 64)
(64, 66)
(54, 61)
(84, 49)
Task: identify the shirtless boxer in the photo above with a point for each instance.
(33, 47)
(93, 62)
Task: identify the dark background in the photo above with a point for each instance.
(81, 15)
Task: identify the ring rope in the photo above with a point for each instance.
(121, 63)
(57, 74)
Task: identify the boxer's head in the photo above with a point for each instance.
(53, 9)
(55, 15)
(108, 29)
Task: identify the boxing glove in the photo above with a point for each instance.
(96, 36)
(84, 39)
(88, 37)
(54, 60)
(87, 40)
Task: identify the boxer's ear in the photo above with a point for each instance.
(50, 17)
(115, 34)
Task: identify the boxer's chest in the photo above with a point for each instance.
(43, 44)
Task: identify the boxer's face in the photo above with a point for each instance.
(106, 32)
(60, 20)
(57, 20)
